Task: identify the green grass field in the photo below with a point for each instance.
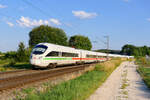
(145, 73)
(144, 70)
(8, 65)
(77, 89)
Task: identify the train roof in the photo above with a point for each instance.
(89, 52)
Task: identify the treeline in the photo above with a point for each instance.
(135, 50)
(130, 50)
(45, 33)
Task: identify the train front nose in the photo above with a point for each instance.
(37, 55)
(32, 60)
(35, 60)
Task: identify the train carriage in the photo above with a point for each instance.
(51, 55)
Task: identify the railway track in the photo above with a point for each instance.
(16, 73)
(8, 72)
(17, 81)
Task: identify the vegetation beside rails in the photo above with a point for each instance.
(10, 64)
(79, 88)
(144, 69)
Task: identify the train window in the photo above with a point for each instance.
(39, 49)
(100, 56)
(91, 56)
(87, 56)
(75, 55)
(53, 54)
(67, 54)
(94, 56)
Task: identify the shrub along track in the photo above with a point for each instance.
(17, 81)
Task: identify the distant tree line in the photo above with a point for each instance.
(130, 50)
(135, 50)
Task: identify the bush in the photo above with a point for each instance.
(12, 62)
(23, 53)
(10, 55)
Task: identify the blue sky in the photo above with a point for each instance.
(125, 21)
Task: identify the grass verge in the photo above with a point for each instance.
(144, 70)
(9, 65)
(145, 73)
(79, 88)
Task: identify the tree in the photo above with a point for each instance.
(45, 33)
(80, 42)
(128, 49)
(21, 56)
(1, 53)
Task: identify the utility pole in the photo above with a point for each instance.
(107, 43)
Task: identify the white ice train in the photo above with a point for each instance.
(50, 55)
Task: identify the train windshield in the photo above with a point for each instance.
(39, 49)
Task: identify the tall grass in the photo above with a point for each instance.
(143, 62)
(109, 66)
(79, 88)
(11, 64)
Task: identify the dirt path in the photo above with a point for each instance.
(123, 84)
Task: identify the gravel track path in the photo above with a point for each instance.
(123, 84)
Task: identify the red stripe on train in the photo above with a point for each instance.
(88, 58)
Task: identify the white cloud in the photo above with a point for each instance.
(55, 21)
(10, 24)
(84, 15)
(28, 22)
(2, 6)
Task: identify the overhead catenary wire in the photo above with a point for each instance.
(76, 27)
(49, 15)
